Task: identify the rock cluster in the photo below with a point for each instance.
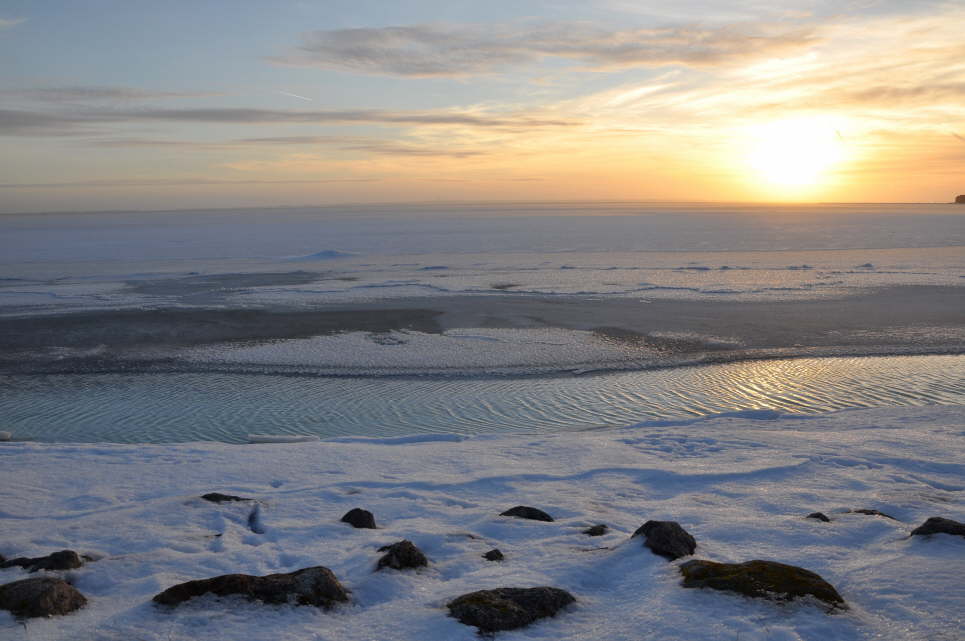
(525, 512)
(309, 586)
(63, 560)
(667, 538)
(508, 608)
(402, 555)
(939, 525)
(359, 518)
(762, 579)
(40, 597)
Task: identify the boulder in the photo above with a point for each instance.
(359, 518)
(820, 516)
(63, 560)
(960, 199)
(873, 513)
(40, 597)
(939, 525)
(761, 579)
(667, 538)
(508, 608)
(524, 512)
(217, 497)
(309, 586)
(494, 555)
(402, 555)
(596, 530)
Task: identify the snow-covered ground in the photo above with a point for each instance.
(741, 484)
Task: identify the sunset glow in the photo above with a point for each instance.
(557, 101)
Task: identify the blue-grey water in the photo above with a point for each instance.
(157, 408)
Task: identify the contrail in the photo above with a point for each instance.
(294, 95)
(959, 136)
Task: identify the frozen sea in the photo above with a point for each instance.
(469, 318)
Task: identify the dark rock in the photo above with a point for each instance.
(493, 555)
(63, 560)
(596, 530)
(40, 597)
(821, 516)
(359, 518)
(216, 497)
(960, 199)
(761, 579)
(873, 513)
(309, 586)
(523, 512)
(939, 525)
(667, 539)
(508, 608)
(402, 555)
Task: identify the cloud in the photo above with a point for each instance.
(373, 146)
(6, 23)
(352, 116)
(14, 122)
(174, 182)
(85, 94)
(465, 50)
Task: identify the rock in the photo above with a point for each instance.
(820, 516)
(524, 512)
(216, 497)
(596, 530)
(939, 525)
(309, 586)
(960, 199)
(667, 539)
(508, 608)
(873, 513)
(493, 555)
(761, 579)
(359, 518)
(402, 555)
(63, 560)
(5, 436)
(40, 597)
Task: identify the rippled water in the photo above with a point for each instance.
(226, 407)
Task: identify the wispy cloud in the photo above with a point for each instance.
(23, 122)
(98, 94)
(466, 50)
(6, 23)
(175, 182)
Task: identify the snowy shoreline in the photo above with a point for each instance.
(742, 485)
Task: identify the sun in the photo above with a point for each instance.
(795, 153)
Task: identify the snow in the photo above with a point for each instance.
(741, 484)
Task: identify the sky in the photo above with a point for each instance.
(130, 104)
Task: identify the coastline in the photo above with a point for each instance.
(626, 333)
(742, 485)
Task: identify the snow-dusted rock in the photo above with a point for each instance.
(359, 518)
(666, 538)
(316, 586)
(402, 555)
(63, 560)
(762, 579)
(40, 597)
(820, 516)
(508, 608)
(939, 525)
(524, 512)
(873, 513)
(217, 497)
(494, 554)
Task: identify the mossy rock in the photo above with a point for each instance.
(508, 608)
(760, 579)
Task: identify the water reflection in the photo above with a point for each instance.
(226, 407)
